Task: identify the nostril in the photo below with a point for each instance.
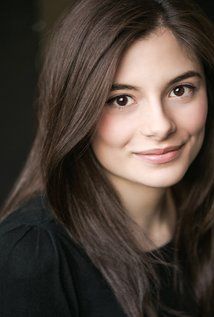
(158, 129)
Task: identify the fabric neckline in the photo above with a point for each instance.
(162, 248)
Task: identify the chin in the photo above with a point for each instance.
(163, 178)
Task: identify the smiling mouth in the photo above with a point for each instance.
(161, 158)
(160, 150)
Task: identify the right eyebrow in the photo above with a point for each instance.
(117, 86)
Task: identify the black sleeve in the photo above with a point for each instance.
(32, 277)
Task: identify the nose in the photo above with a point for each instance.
(159, 125)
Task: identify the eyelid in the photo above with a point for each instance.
(183, 84)
(118, 95)
(191, 86)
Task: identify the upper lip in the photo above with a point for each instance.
(160, 151)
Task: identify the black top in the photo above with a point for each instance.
(44, 273)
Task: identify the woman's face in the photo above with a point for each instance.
(158, 100)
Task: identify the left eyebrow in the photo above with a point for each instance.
(189, 74)
(186, 75)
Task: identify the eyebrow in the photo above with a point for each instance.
(117, 86)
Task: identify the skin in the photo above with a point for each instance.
(156, 115)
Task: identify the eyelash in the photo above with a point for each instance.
(112, 99)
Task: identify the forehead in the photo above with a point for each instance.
(158, 54)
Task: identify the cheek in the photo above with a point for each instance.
(195, 119)
(113, 130)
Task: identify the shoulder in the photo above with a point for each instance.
(33, 211)
(33, 247)
(32, 241)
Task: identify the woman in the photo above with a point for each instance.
(113, 212)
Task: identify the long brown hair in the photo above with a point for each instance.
(78, 71)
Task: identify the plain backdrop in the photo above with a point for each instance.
(24, 25)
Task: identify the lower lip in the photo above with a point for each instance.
(160, 159)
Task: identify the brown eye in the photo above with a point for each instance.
(183, 91)
(179, 91)
(120, 101)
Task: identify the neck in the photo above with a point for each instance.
(152, 209)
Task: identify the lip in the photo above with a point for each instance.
(160, 150)
(164, 155)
